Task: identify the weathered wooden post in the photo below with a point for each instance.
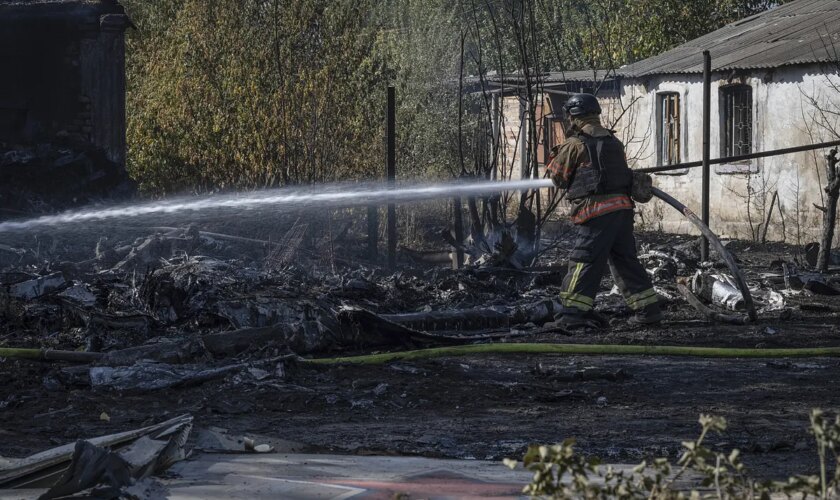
(832, 190)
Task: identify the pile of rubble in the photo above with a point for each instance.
(114, 466)
(227, 294)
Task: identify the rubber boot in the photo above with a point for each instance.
(650, 315)
(575, 319)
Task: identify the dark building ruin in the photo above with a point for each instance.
(62, 95)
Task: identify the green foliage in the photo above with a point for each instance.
(252, 93)
(635, 30)
(420, 42)
(560, 473)
(587, 34)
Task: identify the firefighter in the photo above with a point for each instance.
(592, 167)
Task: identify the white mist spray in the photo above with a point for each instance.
(332, 195)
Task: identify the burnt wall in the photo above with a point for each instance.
(63, 79)
(40, 94)
(62, 104)
(102, 63)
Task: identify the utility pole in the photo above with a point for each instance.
(707, 131)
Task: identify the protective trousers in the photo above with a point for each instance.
(606, 239)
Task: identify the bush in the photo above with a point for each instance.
(560, 473)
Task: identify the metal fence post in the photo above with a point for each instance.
(707, 129)
(391, 173)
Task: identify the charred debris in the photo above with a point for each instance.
(184, 305)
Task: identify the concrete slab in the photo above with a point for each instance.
(299, 477)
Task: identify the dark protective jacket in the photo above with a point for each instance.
(607, 171)
(593, 188)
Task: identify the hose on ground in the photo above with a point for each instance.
(496, 348)
(580, 349)
(721, 250)
(49, 355)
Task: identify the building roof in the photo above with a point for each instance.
(12, 11)
(799, 32)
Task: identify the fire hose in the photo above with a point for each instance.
(579, 350)
(718, 246)
(494, 348)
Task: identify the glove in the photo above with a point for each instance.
(642, 189)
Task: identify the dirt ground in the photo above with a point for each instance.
(487, 407)
(622, 409)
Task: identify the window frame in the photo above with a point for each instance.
(738, 96)
(660, 151)
(668, 101)
(736, 102)
(552, 126)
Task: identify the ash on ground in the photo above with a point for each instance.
(213, 319)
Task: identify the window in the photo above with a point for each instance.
(736, 103)
(669, 128)
(550, 130)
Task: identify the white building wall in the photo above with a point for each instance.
(783, 116)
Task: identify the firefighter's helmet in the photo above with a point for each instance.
(583, 104)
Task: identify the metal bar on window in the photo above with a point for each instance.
(737, 120)
(675, 127)
(669, 128)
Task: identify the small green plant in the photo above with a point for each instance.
(560, 473)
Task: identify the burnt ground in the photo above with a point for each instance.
(486, 407)
(622, 409)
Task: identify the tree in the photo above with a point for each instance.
(253, 93)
